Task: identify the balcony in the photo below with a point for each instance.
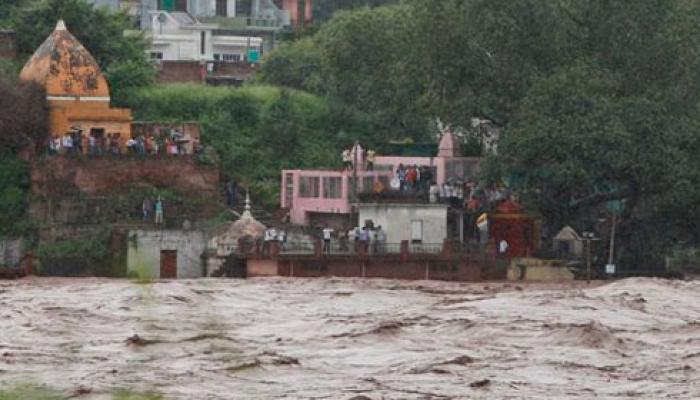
(245, 23)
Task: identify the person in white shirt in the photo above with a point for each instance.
(68, 143)
(282, 238)
(380, 240)
(434, 193)
(503, 248)
(347, 159)
(363, 239)
(327, 233)
(269, 236)
(372, 236)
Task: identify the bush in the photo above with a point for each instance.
(256, 130)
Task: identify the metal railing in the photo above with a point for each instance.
(353, 248)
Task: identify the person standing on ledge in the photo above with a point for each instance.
(146, 208)
(159, 211)
(327, 239)
(370, 160)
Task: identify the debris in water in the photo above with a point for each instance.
(480, 384)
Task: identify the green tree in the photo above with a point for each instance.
(14, 189)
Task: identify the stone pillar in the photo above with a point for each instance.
(274, 250)
(318, 248)
(447, 248)
(404, 250)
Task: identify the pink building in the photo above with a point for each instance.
(316, 197)
(293, 7)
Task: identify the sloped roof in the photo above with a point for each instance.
(245, 226)
(449, 147)
(567, 233)
(65, 67)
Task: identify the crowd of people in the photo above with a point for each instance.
(98, 144)
(274, 235)
(368, 239)
(412, 178)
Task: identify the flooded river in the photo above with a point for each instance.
(347, 338)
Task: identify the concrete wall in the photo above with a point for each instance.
(538, 270)
(396, 220)
(144, 246)
(468, 270)
(260, 267)
(56, 176)
(10, 252)
(179, 72)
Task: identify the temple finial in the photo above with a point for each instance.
(247, 210)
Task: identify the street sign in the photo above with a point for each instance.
(610, 269)
(253, 56)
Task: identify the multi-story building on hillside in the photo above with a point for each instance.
(247, 18)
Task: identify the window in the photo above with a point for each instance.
(167, 5)
(289, 190)
(309, 186)
(221, 8)
(243, 7)
(217, 57)
(332, 188)
(231, 57)
(417, 231)
(156, 55)
(181, 5)
(203, 37)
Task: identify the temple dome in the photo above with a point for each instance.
(65, 68)
(245, 227)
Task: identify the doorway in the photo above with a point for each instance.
(235, 267)
(168, 264)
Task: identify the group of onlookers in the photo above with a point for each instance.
(368, 239)
(96, 145)
(447, 193)
(413, 178)
(350, 157)
(274, 235)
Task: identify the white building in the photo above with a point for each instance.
(178, 36)
(230, 22)
(165, 254)
(417, 223)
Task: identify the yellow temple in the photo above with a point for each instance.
(77, 92)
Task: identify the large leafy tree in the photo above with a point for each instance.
(121, 56)
(598, 98)
(617, 122)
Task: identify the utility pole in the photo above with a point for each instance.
(611, 253)
(355, 150)
(588, 260)
(588, 236)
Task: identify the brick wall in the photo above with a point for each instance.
(60, 176)
(468, 270)
(177, 71)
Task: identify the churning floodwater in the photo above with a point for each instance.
(348, 338)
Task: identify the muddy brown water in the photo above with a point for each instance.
(348, 338)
